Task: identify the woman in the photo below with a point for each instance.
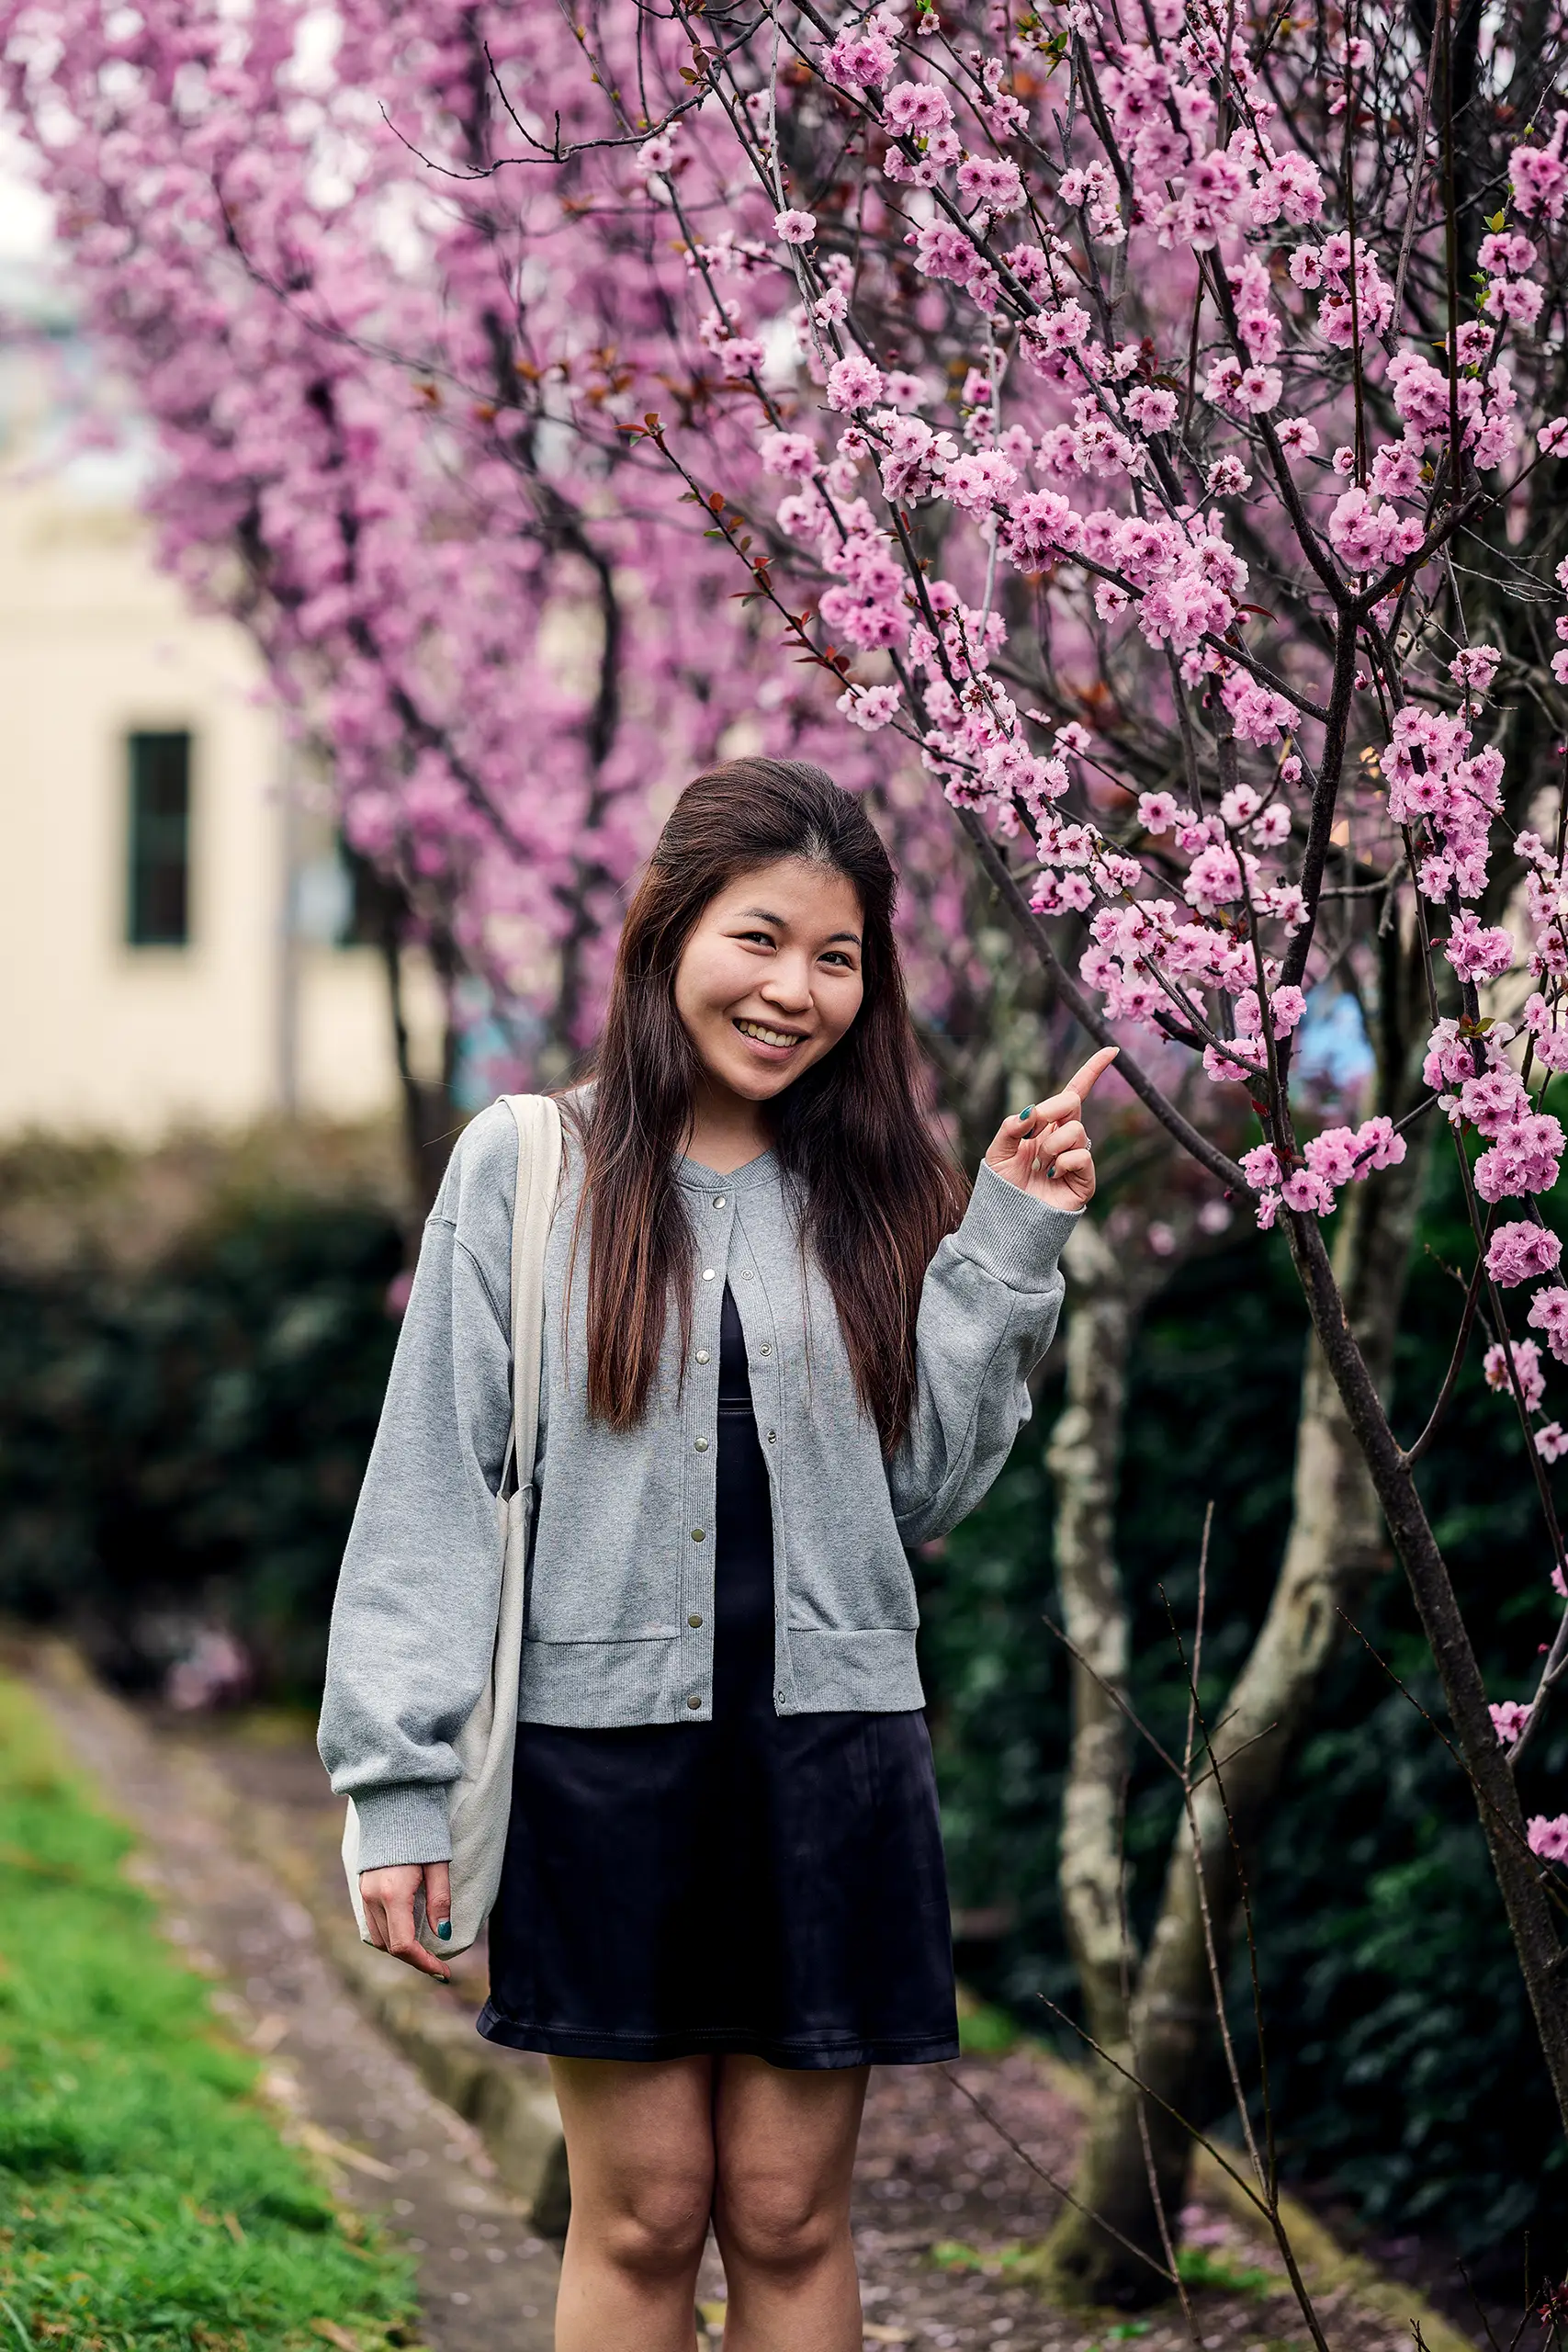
(778, 1348)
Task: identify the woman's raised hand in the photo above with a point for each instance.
(1045, 1150)
(389, 1899)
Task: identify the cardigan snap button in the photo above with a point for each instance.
(702, 1355)
(694, 1623)
(698, 1534)
(693, 1700)
(708, 1273)
(701, 1444)
(718, 1200)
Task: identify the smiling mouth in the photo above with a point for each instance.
(762, 1035)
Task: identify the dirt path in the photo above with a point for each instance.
(942, 2200)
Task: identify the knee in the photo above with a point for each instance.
(654, 2228)
(771, 2222)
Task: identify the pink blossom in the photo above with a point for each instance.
(1215, 878)
(1038, 528)
(790, 454)
(1152, 408)
(1475, 666)
(1332, 1155)
(990, 181)
(1551, 1441)
(1156, 811)
(795, 228)
(1507, 253)
(1549, 1314)
(1549, 1839)
(859, 59)
(1366, 537)
(916, 107)
(1527, 1366)
(976, 484)
(915, 458)
(1508, 1720)
(1518, 1252)
(853, 383)
(1261, 1165)
(1539, 177)
(1377, 1146)
(1258, 390)
(1496, 1100)
(1477, 954)
(870, 707)
(1306, 1189)
(1525, 1159)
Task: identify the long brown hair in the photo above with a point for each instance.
(872, 1192)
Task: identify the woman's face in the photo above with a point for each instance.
(770, 977)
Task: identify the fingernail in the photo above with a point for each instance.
(444, 1930)
(1027, 1111)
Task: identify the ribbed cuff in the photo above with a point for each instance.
(403, 1823)
(1011, 1234)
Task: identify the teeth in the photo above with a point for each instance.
(768, 1036)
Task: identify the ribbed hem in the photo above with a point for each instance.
(805, 2057)
(611, 1686)
(400, 1825)
(1011, 1234)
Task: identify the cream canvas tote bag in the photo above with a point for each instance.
(480, 1800)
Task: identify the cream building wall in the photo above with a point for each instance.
(254, 1015)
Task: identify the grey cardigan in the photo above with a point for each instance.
(620, 1599)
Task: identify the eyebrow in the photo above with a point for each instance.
(763, 916)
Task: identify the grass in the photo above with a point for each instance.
(1200, 2268)
(147, 2203)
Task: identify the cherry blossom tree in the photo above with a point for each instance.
(389, 415)
(1170, 460)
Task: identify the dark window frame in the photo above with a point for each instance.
(158, 796)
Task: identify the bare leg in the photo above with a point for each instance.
(640, 2146)
(785, 2146)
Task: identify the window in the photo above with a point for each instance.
(158, 896)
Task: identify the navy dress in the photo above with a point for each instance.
(762, 1883)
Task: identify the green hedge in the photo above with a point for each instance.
(185, 1438)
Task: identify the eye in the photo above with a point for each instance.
(841, 957)
(765, 937)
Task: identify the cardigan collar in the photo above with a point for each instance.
(752, 1176)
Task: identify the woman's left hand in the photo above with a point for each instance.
(1045, 1150)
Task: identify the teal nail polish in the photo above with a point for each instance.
(444, 1930)
(1027, 1111)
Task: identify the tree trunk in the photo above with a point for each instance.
(1082, 1456)
(430, 1116)
(1335, 1545)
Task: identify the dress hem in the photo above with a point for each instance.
(554, 2041)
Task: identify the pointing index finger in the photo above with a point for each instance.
(1083, 1082)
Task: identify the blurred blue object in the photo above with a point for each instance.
(1333, 1050)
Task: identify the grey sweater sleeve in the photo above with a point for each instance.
(987, 1314)
(414, 1617)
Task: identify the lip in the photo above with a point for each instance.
(764, 1052)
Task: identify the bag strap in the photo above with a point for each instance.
(538, 1182)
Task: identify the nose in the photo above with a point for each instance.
(788, 984)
